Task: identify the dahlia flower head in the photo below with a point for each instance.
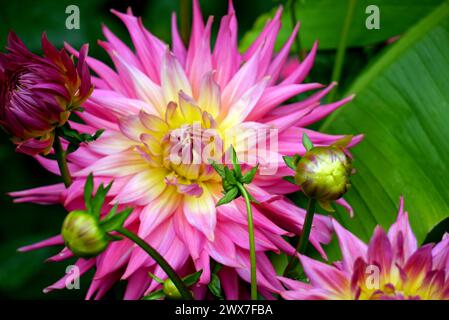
(390, 267)
(38, 93)
(156, 91)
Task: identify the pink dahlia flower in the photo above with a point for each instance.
(391, 266)
(38, 93)
(149, 108)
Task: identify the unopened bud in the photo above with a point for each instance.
(323, 173)
(83, 235)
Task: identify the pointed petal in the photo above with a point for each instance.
(200, 212)
(350, 246)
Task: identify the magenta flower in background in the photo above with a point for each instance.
(391, 266)
(156, 91)
(38, 93)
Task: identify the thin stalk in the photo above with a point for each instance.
(180, 285)
(62, 161)
(252, 243)
(184, 13)
(294, 20)
(304, 239)
(341, 50)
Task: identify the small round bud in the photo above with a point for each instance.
(323, 173)
(83, 235)
(170, 290)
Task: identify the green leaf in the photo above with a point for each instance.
(249, 176)
(115, 221)
(215, 286)
(291, 162)
(235, 163)
(159, 294)
(97, 135)
(193, 278)
(75, 138)
(402, 108)
(228, 197)
(290, 179)
(306, 142)
(88, 189)
(438, 232)
(323, 20)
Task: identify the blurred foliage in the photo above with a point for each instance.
(322, 20)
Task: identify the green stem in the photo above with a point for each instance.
(294, 20)
(252, 243)
(184, 13)
(304, 239)
(341, 50)
(62, 161)
(180, 285)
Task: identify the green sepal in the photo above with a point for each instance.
(219, 168)
(156, 278)
(215, 286)
(343, 142)
(306, 142)
(98, 200)
(113, 237)
(154, 295)
(235, 163)
(326, 205)
(249, 176)
(228, 197)
(116, 221)
(290, 179)
(193, 278)
(88, 189)
(251, 198)
(111, 213)
(75, 138)
(291, 162)
(229, 176)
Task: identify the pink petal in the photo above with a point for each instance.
(401, 236)
(324, 276)
(350, 246)
(201, 213)
(380, 250)
(53, 241)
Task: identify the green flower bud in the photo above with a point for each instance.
(83, 235)
(323, 173)
(170, 290)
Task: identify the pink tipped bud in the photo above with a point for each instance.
(37, 93)
(323, 173)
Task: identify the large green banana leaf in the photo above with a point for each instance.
(402, 106)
